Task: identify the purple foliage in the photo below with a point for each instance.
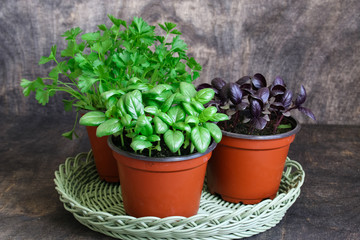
(235, 93)
(255, 102)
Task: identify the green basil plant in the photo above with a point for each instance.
(110, 59)
(162, 113)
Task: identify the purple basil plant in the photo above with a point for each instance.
(256, 105)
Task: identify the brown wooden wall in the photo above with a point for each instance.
(310, 42)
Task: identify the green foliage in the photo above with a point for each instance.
(135, 84)
(112, 61)
(94, 118)
(151, 116)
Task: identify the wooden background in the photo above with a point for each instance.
(310, 42)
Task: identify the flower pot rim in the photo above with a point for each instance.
(266, 137)
(159, 159)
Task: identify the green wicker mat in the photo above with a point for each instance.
(98, 205)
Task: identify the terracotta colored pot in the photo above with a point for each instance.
(104, 160)
(161, 187)
(248, 169)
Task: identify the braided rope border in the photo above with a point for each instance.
(98, 205)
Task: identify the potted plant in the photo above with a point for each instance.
(161, 139)
(248, 163)
(111, 59)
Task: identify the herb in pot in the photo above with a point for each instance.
(110, 59)
(254, 107)
(162, 116)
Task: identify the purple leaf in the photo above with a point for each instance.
(278, 82)
(206, 85)
(235, 93)
(287, 99)
(247, 89)
(258, 81)
(243, 80)
(259, 123)
(301, 97)
(224, 92)
(212, 103)
(277, 90)
(203, 85)
(242, 106)
(266, 117)
(262, 94)
(277, 105)
(255, 108)
(218, 83)
(307, 112)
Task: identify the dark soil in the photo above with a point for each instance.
(248, 129)
(165, 151)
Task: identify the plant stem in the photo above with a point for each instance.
(122, 139)
(276, 125)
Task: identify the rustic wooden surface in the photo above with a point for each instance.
(328, 206)
(310, 42)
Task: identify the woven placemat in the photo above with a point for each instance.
(98, 205)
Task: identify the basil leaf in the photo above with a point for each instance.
(182, 126)
(159, 89)
(168, 120)
(167, 104)
(137, 94)
(152, 103)
(137, 145)
(201, 138)
(181, 98)
(160, 126)
(140, 137)
(111, 111)
(205, 95)
(133, 104)
(144, 126)
(177, 114)
(199, 107)
(138, 86)
(153, 138)
(219, 117)
(207, 114)
(106, 95)
(152, 110)
(173, 140)
(187, 89)
(193, 120)
(121, 106)
(214, 130)
(111, 102)
(109, 127)
(126, 120)
(189, 109)
(94, 118)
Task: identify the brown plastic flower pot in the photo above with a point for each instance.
(161, 187)
(248, 169)
(104, 160)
